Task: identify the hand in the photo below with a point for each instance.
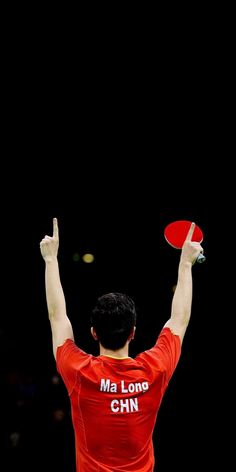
(191, 249)
(50, 244)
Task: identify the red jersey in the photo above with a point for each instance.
(114, 403)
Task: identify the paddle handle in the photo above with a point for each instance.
(200, 258)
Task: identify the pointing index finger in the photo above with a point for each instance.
(190, 232)
(55, 228)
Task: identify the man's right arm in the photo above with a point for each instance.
(60, 324)
(182, 299)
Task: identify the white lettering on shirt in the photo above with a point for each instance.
(134, 387)
(126, 405)
(107, 386)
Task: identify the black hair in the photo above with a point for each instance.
(113, 319)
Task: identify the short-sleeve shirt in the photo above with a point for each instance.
(114, 403)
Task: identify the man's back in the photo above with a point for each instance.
(115, 402)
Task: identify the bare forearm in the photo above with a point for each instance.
(60, 324)
(182, 299)
(54, 292)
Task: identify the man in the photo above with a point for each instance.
(114, 398)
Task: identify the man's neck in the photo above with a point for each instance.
(119, 353)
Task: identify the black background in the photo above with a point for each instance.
(116, 148)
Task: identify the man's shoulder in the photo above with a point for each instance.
(70, 350)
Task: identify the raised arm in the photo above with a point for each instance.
(60, 323)
(182, 299)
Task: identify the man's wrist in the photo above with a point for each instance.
(185, 263)
(50, 259)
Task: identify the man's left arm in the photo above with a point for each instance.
(60, 324)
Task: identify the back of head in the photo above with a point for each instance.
(113, 319)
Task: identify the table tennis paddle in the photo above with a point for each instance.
(175, 234)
